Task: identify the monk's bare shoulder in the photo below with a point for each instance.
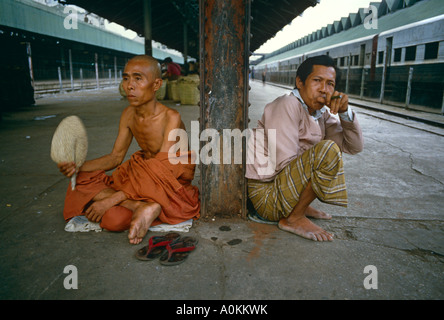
(127, 117)
(173, 119)
(128, 113)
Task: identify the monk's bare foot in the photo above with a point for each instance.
(143, 217)
(317, 214)
(305, 228)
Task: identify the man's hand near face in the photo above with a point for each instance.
(337, 102)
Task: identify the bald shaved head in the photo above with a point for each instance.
(141, 79)
(151, 62)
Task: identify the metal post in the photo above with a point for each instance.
(115, 70)
(81, 78)
(31, 69)
(147, 27)
(71, 76)
(96, 64)
(59, 71)
(185, 42)
(442, 107)
(409, 88)
(384, 74)
(347, 80)
(387, 62)
(224, 56)
(361, 95)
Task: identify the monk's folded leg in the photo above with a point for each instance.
(117, 219)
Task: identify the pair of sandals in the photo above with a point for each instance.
(171, 249)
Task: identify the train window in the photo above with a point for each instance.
(397, 57)
(410, 53)
(431, 50)
(381, 57)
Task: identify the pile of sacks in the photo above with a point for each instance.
(184, 90)
(188, 89)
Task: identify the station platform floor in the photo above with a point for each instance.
(389, 241)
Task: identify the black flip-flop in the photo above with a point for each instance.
(156, 246)
(178, 251)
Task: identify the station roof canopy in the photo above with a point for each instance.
(168, 17)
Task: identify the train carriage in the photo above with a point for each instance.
(400, 61)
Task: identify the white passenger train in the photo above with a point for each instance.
(398, 57)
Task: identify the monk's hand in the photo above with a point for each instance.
(67, 168)
(337, 102)
(97, 209)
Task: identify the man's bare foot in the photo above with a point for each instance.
(317, 214)
(305, 228)
(143, 217)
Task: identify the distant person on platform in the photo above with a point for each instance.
(173, 70)
(306, 154)
(149, 188)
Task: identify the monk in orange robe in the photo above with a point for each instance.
(152, 187)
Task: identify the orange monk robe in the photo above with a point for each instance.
(164, 179)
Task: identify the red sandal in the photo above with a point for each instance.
(178, 251)
(156, 246)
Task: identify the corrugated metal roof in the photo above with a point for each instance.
(422, 10)
(40, 19)
(168, 17)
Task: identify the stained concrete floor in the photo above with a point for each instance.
(394, 221)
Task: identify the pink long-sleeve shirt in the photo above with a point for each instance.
(286, 130)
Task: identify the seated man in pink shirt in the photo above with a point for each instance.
(304, 143)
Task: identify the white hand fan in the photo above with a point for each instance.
(70, 143)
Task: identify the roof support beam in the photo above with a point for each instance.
(185, 42)
(147, 27)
